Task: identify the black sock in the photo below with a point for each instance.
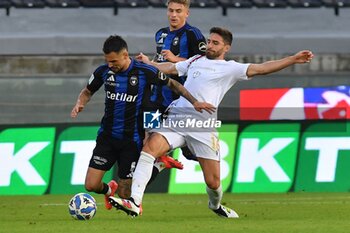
(104, 190)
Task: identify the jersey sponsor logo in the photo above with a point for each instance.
(202, 47)
(99, 160)
(111, 81)
(175, 41)
(162, 37)
(133, 80)
(121, 97)
(111, 78)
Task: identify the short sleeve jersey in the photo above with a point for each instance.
(125, 94)
(184, 42)
(209, 80)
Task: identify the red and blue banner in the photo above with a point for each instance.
(295, 103)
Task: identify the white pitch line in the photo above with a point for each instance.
(254, 202)
(292, 202)
(62, 204)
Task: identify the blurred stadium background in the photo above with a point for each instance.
(47, 54)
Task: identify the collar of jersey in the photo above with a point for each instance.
(129, 68)
(178, 30)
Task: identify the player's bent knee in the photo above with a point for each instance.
(156, 145)
(213, 183)
(89, 187)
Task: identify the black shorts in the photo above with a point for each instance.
(109, 150)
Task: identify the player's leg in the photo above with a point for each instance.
(93, 180)
(156, 145)
(209, 160)
(128, 155)
(211, 172)
(164, 161)
(93, 183)
(101, 161)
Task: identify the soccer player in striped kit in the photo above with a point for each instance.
(176, 42)
(126, 82)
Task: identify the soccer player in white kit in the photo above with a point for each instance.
(209, 77)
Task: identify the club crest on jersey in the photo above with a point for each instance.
(196, 74)
(202, 46)
(162, 37)
(176, 41)
(133, 80)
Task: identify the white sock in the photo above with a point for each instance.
(215, 197)
(142, 175)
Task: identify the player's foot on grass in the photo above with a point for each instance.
(226, 212)
(170, 162)
(114, 186)
(126, 205)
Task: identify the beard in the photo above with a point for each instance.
(115, 69)
(212, 55)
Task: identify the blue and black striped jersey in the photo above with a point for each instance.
(184, 42)
(125, 94)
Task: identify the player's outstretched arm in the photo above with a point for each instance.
(304, 56)
(169, 56)
(83, 98)
(181, 90)
(164, 67)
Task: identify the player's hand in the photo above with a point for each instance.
(142, 58)
(168, 55)
(200, 106)
(77, 108)
(304, 56)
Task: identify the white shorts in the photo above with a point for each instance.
(200, 149)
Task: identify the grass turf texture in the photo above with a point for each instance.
(291, 212)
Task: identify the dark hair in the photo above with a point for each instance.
(186, 3)
(114, 43)
(224, 33)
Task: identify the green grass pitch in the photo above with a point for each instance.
(165, 213)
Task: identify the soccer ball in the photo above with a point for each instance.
(82, 206)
